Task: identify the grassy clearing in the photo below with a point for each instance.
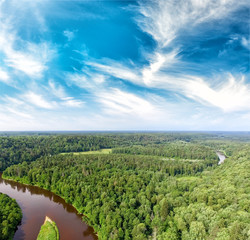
(101, 151)
(187, 160)
(188, 178)
(49, 230)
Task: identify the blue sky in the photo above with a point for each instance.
(124, 65)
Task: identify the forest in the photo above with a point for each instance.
(151, 186)
(18, 148)
(10, 217)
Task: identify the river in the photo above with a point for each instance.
(36, 203)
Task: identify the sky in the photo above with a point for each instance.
(162, 65)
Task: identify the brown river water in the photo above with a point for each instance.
(36, 203)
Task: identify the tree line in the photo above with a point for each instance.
(16, 149)
(177, 149)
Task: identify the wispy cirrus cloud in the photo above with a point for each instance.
(113, 101)
(156, 63)
(230, 95)
(39, 101)
(116, 101)
(62, 97)
(56, 89)
(70, 35)
(31, 61)
(164, 19)
(114, 68)
(19, 113)
(246, 42)
(71, 102)
(21, 55)
(16, 107)
(4, 76)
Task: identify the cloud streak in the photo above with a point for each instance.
(31, 58)
(32, 61)
(119, 102)
(164, 19)
(38, 100)
(4, 76)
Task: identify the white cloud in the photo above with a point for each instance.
(19, 54)
(32, 61)
(12, 101)
(119, 102)
(246, 42)
(78, 79)
(4, 76)
(56, 89)
(98, 78)
(38, 100)
(69, 35)
(16, 107)
(19, 113)
(71, 102)
(232, 96)
(115, 69)
(158, 62)
(24, 63)
(87, 79)
(114, 101)
(163, 19)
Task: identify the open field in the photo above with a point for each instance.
(101, 151)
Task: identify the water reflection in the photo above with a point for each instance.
(37, 203)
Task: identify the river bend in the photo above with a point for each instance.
(36, 203)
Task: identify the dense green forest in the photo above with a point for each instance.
(152, 187)
(10, 217)
(16, 149)
(177, 150)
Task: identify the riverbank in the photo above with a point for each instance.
(36, 203)
(49, 230)
(84, 217)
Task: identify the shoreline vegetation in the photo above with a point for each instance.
(10, 216)
(85, 218)
(49, 230)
